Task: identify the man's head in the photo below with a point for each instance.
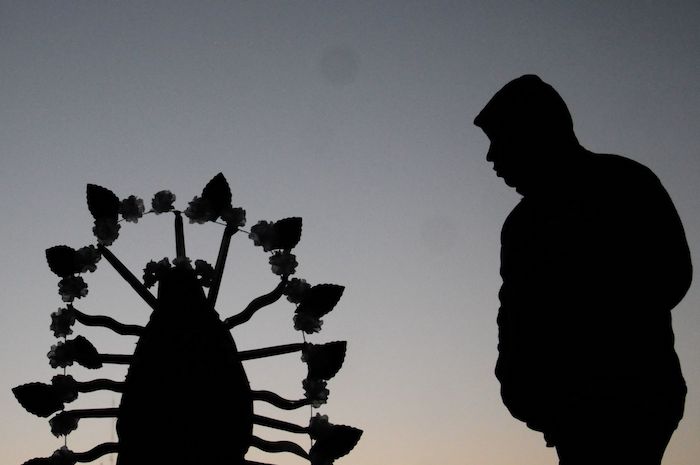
(530, 129)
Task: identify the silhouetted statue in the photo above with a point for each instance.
(186, 398)
(593, 260)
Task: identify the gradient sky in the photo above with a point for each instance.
(357, 116)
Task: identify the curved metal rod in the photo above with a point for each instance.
(278, 446)
(97, 452)
(107, 322)
(280, 402)
(255, 305)
(99, 385)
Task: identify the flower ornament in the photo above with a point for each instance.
(65, 387)
(307, 323)
(61, 322)
(72, 287)
(63, 424)
(319, 426)
(162, 202)
(106, 231)
(295, 290)
(283, 263)
(132, 208)
(315, 390)
(155, 271)
(262, 234)
(205, 272)
(234, 217)
(182, 262)
(200, 211)
(62, 456)
(193, 286)
(87, 258)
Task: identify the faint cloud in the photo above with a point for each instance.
(339, 65)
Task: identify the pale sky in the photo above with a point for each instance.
(356, 116)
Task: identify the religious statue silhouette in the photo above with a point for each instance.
(186, 398)
(593, 260)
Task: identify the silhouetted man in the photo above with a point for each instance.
(593, 259)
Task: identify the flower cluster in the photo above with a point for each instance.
(87, 258)
(263, 234)
(234, 217)
(315, 390)
(319, 426)
(106, 231)
(78, 350)
(162, 202)
(65, 387)
(62, 456)
(295, 289)
(132, 208)
(155, 271)
(204, 272)
(283, 263)
(63, 423)
(72, 287)
(62, 320)
(200, 211)
(308, 323)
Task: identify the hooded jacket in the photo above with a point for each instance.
(592, 267)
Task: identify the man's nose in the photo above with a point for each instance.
(491, 154)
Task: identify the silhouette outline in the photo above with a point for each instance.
(593, 260)
(186, 398)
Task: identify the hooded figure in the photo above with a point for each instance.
(593, 260)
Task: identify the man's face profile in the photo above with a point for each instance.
(513, 159)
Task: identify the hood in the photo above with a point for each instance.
(528, 106)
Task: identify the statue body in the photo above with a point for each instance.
(185, 385)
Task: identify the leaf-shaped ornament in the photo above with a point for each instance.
(218, 194)
(324, 360)
(63, 260)
(102, 203)
(320, 299)
(85, 353)
(336, 441)
(39, 399)
(287, 233)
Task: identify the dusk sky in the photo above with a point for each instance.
(356, 116)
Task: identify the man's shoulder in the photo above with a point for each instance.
(618, 169)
